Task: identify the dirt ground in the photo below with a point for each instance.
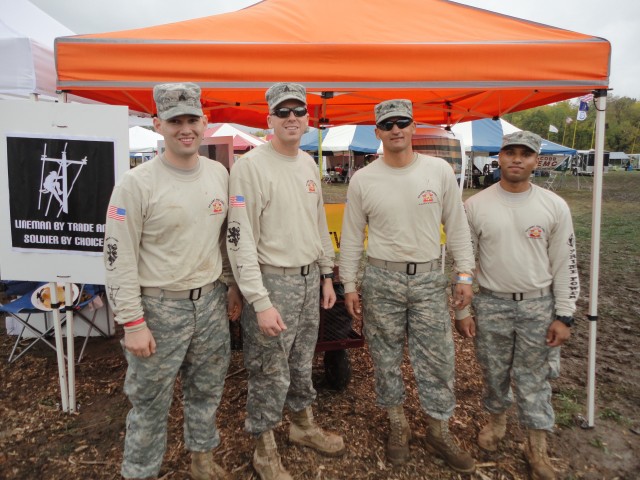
(38, 441)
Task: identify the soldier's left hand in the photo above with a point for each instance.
(462, 295)
(466, 327)
(328, 293)
(557, 334)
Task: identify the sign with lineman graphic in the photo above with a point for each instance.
(59, 190)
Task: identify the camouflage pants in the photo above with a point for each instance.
(192, 338)
(398, 305)
(280, 367)
(511, 342)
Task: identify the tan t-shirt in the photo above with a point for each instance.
(276, 218)
(166, 230)
(403, 209)
(525, 242)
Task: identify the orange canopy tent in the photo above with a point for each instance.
(455, 62)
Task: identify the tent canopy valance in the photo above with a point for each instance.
(455, 62)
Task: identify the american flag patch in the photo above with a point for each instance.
(237, 201)
(116, 213)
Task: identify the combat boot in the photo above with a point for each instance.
(399, 436)
(494, 431)
(204, 468)
(536, 453)
(439, 441)
(304, 431)
(266, 460)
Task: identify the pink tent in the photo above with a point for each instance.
(242, 141)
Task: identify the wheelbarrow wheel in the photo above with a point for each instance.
(337, 369)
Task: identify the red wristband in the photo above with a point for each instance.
(133, 323)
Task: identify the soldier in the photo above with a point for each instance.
(281, 253)
(403, 197)
(165, 256)
(528, 282)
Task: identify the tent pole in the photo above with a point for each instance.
(320, 152)
(601, 103)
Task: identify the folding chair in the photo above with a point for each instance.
(24, 312)
(550, 183)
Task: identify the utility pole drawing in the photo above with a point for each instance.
(56, 183)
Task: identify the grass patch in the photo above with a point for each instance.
(599, 444)
(566, 406)
(614, 415)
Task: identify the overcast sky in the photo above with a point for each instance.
(616, 20)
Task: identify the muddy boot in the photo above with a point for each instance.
(399, 436)
(266, 459)
(204, 468)
(494, 431)
(304, 431)
(536, 453)
(439, 440)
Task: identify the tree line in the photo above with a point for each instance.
(621, 128)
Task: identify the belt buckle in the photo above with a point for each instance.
(517, 297)
(193, 290)
(412, 268)
(304, 271)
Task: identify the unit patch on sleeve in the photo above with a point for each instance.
(233, 235)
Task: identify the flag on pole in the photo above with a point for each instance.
(553, 129)
(568, 120)
(587, 98)
(582, 111)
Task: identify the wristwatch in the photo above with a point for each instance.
(326, 275)
(567, 320)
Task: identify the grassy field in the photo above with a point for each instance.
(620, 220)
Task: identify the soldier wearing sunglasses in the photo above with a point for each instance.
(281, 253)
(403, 197)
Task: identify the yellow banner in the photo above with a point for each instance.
(335, 212)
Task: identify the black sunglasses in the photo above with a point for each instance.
(285, 111)
(387, 125)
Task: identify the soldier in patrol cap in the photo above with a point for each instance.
(167, 281)
(282, 256)
(401, 198)
(528, 281)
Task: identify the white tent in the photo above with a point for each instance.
(26, 50)
(143, 140)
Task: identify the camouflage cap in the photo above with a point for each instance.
(393, 108)
(280, 92)
(524, 138)
(174, 99)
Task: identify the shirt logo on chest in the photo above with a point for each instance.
(311, 186)
(535, 232)
(427, 197)
(216, 207)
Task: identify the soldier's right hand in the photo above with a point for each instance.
(270, 322)
(140, 343)
(352, 302)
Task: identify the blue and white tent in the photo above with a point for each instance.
(346, 138)
(486, 136)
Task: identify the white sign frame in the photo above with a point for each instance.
(59, 120)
